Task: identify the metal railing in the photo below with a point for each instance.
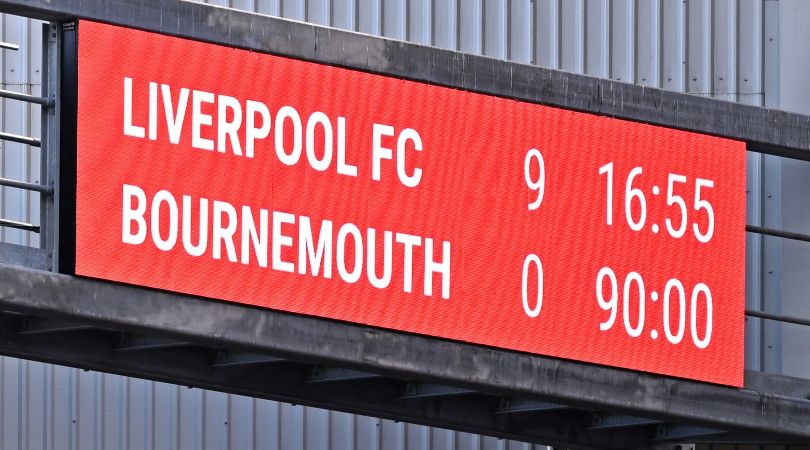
(43, 257)
(34, 142)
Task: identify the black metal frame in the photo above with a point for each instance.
(395, 375)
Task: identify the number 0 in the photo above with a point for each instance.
(538, 305)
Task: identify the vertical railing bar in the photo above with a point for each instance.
(50, 146)
(44, 235)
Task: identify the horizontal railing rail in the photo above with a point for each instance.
(43, 189)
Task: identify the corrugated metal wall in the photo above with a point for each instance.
(727, 49)
(709, 47)
(794, 183)
(52, 407)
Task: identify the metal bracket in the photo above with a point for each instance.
(226, 358)
(424, 390)
(320, 374)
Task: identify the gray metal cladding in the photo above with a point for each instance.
(54, 407)
(708, 47)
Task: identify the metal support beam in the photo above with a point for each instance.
(604, 421)
(402, 356)
(36, 325)
(134, 343)
(288, 382)
(424, 390)
(226, 358)
(52, 213)
(676, 431)
(18, 255)
(519, 405)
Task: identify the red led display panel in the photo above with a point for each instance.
(325, 191)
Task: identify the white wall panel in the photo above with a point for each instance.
(597, 37)
(622, 35)
(470, 26)
(520, 36)
(496, 30)
(699, 50)
(648, 28)
(419, 16)
(750, 55)
(572, 36)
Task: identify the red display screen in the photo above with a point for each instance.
(335, 193)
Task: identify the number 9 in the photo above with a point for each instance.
(538, 185)
(611, 303)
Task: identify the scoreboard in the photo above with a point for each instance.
(332, 192)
